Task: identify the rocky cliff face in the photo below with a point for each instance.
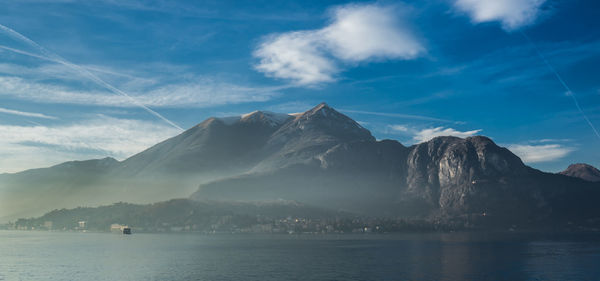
(450, 173)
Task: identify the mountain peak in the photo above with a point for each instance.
(322, 105)
(322, 109)
(329, 121)
(582, 171)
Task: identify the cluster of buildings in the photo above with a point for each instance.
(80, 226)
(243, 224)
(289, 225)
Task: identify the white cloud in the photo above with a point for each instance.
(357, 33)
(363, 32)
(297, 56)
(430, 133)
(540, 153)
(511, 13)
(26, 114)
(27, 147)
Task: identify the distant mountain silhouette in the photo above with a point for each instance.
(582, 171)
(320, 157)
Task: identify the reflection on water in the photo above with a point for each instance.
(455, 256)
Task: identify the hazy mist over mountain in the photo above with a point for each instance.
(321, 158)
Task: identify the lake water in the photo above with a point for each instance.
(456, 256)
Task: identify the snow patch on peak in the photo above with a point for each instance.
(244, 116)
(276, 119)
(272, 118)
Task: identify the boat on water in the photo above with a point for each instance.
(120, 229)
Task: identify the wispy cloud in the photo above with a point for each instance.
(293, 106)
(188, 94)
(165, 86)
(399, 128)
(399, 115)
(357, 33)
(430, 133)
(26, 114)
(551, 140)
(512, 14)
(39, 146)
(540, 153)
(520, 66)
(83, 72)
(202, 92)
(206, 92)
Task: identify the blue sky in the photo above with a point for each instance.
(405, 70)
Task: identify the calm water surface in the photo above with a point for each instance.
(456, 256)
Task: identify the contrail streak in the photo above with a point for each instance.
(21, 52)
(563, 83)
(26, 114)
(48, 55)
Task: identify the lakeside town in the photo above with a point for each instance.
(233, 225)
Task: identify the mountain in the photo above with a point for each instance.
(208, 147)
(322, 158)
(69, 184)
(215, 148)
(446, 177)
(582, 171)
